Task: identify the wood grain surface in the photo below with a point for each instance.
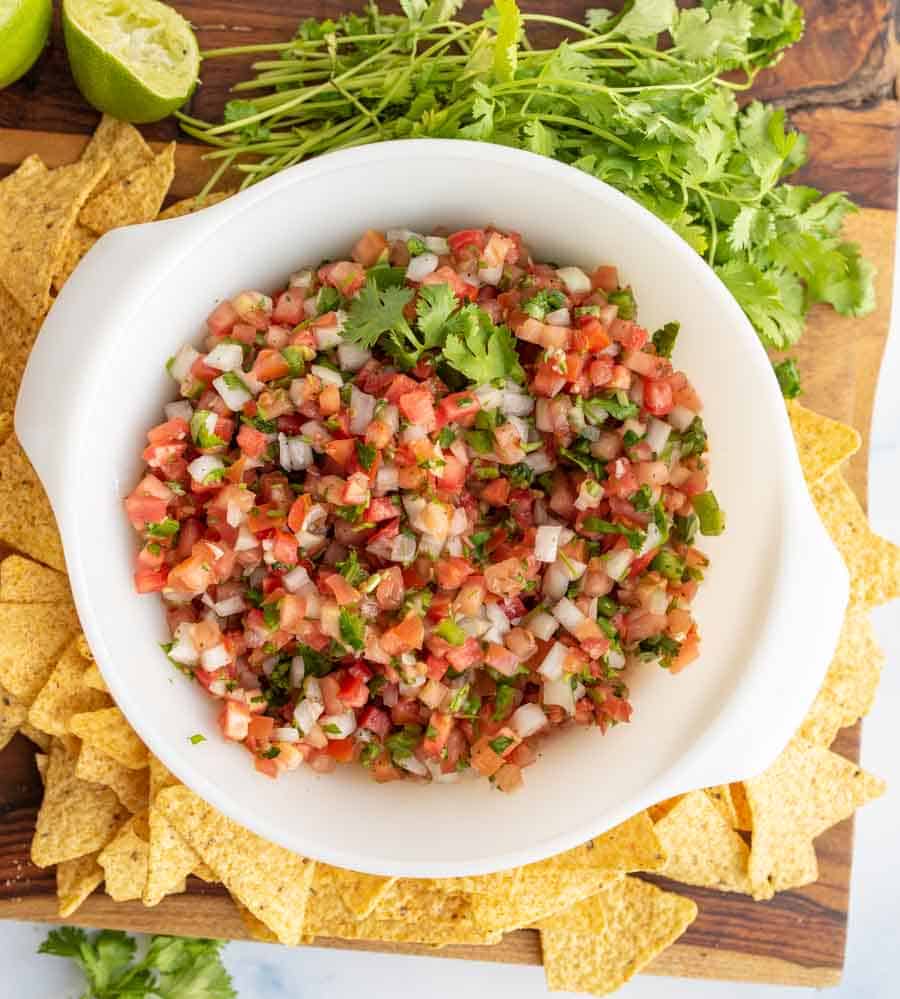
(839, 87)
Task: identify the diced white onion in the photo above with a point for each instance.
(401, 235)
(327, 337)
(615, 659)
(421, 266)
(285, 734)
(497, 617)
(390, 417)
(294, 454)
(542, 625)
(539, 462)
(338, 726)
(559, 691)
(311, 595)
(218, 688)
(311, 306)
(681, 417)
(546, 543)
(298, 671)
(516, 403)
(307, 713)
(184, 651)
(327, 375)
(403, 549)
(351, 357)
(559, 317)
(474, 626)
(201, 467)
(491, 275)
(386, 479)
(182, 362)
(575, 280)
(235, 397)
(658, 435)
(180, 410)
(573, 568)
(246, 540)
(552, 666)
(229, 606)
(215, 658)
(317, 435)
(414, 432)
(568, 615)
(301, 279)
(617, 563)
(489, 397)
(459, 522)
(527, 719)
(437, 244)
(556, 581)
(414, 765)
(295, 579)
(225, 357)
(651, 539)
(313, 690)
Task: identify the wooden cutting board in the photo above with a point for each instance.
(838, 84)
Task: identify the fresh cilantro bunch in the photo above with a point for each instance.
(173, 967)
(614, 98)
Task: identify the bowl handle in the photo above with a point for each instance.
(771, 702)
(63, 355)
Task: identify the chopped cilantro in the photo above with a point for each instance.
(352, 629)
(458, 701)
(501, 744)
(271, 753)
(271, 616)
(624, 299)
(164, 528)
(693, 440)
(665, 337)
(201, 436)
(642, 500)
(617, 405)
(196, 739)
(351, 570)
(668, 564)
(480, 441)
(710, 515)
(788, 378)
(597, 525)
(544, 302)
(451, 632)
(365, 454)
(685, 528)
(401, 744)
(446, 437)
(503, 700)
(520, 475)
(369, 753)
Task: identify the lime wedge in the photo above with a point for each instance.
(24, 26)
(134, 59)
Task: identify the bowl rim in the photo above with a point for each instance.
(649, 227)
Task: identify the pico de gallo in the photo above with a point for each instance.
(425, 505)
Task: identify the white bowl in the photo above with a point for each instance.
(769, 612)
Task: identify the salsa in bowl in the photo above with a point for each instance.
(425, 505)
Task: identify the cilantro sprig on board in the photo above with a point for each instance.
(659, 121)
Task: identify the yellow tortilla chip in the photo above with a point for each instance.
(26, 520)
(79, 241)
(744, 820)
(26, 582)
(806, 791)
(6, 420)
(75, 880)
(630, 846)
(120, 143)
(272, 882)
(85, 650)
(41, 761)
(360, 893)
(601, 943)
(134, 198)
(39, 738)
(662, 808)
(850, 684)
(12, 714)
(823, 444)
(255, 927)
(18, 331)
(124, 860)
(37, 211)
(701, 846)
(873, 562)
(109, 731)
(93, 678)
(64, 694)
(75, 817)
(205, 873)
(131, 787)
(720, 796)
(190, 205)
(416, 913)
(171, 858)
(480, 883)
(32, 638)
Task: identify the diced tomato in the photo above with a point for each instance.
(496, 492)
(260, 728)
(267, 767)
(284, 547)
(547, 381)
(460, 288)
(458, 241)
(270, 365)
(380, 508)
(404, 637)
(453, 571)
(292, 613)
(203, 372)
(220, 321)
(151, 580)
(439, 728)
(347, 277)
(369, 248)
(501, 659)
(461, 407)
(289, 307)
(353, 692)
(418, 407)
(341, 451)
(299, 509)
(605, 279)
(658, 397)
(375, 720)
(251, 441)
(453, 474)
(343, 592)
(234, 720)
(330, 686)
(484, 759)
(148, 503)
(465, 655)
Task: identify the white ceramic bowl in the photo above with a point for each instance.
(769, 612)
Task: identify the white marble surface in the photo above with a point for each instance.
(267, 972)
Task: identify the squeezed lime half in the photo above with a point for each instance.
(137, 60)
(24, 27)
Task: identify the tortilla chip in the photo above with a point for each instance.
(12, 713)
(702, 847)
(64, 695)
(41, 761)
(487, 884)
(124, 860)
(120, 143)
(75, 880)
(601, 943)
(255, 927)
(630, 846)
(75, 817)
(205, 873)
(360, 893)
(171, 858)
(37, 211)
(720, 796)
(26, 519)
(131, 787)
(93, 678)
(850, 684)
(18, 331)
(26, 582)
(190, 205)
(806, 791)
(79, 241)
(744, 820)
(39, 738)
(85, 649)
(135, 198)
(874, 563)
(109, 731)
(662, 808)
(6, 420)
(823, 445)
(32, 638)
(272, 882)
(417, 913)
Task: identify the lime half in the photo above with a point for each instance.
(134, 59)
(24, 26)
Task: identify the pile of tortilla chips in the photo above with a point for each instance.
(113, 814)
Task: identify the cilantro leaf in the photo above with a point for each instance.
(376, 311)
(434, 307)
(646, 19)
(773, 301)
(788, 378)
(352, 628)
(508, 28)
(254, 131)
(482, 351)
(351, 569)
(718, 33)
